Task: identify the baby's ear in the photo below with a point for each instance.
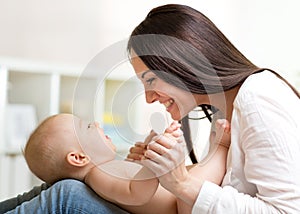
(78, 159)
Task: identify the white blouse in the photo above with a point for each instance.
(263, 165)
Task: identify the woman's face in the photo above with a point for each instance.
(178, 102)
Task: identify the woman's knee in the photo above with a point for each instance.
(70, 190)
(70, 185)
(76, 197)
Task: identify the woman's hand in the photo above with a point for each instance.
(165, 156)
(137, 151)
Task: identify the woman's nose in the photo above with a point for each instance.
(151, 96)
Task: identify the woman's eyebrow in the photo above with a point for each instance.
(143, 74)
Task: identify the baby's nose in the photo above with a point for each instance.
(97, 124)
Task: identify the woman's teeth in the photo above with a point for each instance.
(168, 103)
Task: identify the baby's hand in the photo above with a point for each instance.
(222, 134)
(174, 131)
(137, 151)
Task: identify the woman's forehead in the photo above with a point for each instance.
(138, 65)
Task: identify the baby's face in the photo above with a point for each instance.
(91, 133)
(93, 141)
(84, 136)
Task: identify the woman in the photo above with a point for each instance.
(262, 170)
(184, 61)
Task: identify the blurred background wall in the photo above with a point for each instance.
(72, 32)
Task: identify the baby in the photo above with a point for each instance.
(64, 146)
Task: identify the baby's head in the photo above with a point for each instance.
(63, 146)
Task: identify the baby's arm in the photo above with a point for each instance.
(121, 187)
(142, 187)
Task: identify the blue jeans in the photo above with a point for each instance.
(67, 196)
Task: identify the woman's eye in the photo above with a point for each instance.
(149, 81)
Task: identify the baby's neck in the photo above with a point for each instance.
(86, 178)
(92, 167)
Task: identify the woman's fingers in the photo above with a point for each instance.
(153, 166)
(165, 141)
(157, 148)
(159, 164)
(163, 147)
(162, 160)
(153, 155)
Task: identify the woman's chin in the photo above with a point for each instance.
(176, 116)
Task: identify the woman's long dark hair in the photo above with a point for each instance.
(208, 111)
(184, 48)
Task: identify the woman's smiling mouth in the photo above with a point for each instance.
(168, 103)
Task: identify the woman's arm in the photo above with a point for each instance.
(162, 202)
(187, 184)
(213, 170)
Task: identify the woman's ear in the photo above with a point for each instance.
(78, 159)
